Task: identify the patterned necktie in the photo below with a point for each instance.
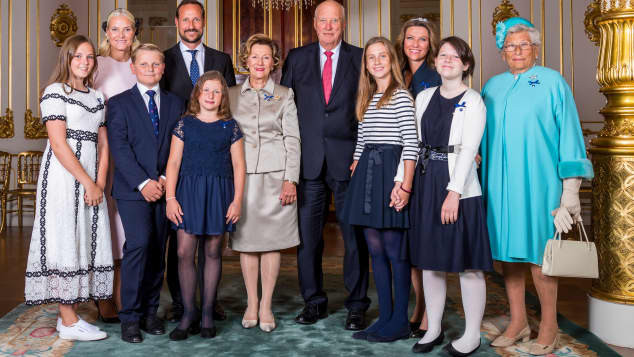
(326, 76)
(153, 111)
(194, 72)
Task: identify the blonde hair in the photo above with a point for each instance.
(193, 108)
(147, 47)
(433, 42)
(62, 72)
(104, 47)
(367, 84)
(260, 39)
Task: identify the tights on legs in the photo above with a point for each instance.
(187, 276)
(435, 289)
(474, 294)
(212, 272)
(385, 248)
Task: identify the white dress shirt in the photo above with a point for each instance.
(200, 56)
(146, 99)
(334, 57)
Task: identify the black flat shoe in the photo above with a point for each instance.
(454, 352)
(355, 321)
(426, 347)
(130, 332)
(310, 314)
(417, 333)
(178, 335)
(208, 332)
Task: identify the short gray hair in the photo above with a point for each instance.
(341, 7)
(532, 33)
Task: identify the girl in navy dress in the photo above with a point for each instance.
(448, 231)
(386, 135)
(207, 162)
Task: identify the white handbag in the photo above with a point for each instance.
(570, 258)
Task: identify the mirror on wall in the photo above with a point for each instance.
(403, 10)
(157, 21)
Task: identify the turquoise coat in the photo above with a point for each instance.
(532, 141)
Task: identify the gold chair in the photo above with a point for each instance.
(5, 179)
(28, 170)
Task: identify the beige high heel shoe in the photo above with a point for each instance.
(503, 341)
(249, 323)
(537, 349)
(267, 326)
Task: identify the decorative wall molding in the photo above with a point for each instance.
(7, 129)
(33, 126)
(63, 24)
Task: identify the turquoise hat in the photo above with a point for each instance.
(503, 26)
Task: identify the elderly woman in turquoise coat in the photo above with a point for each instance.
(534, 159)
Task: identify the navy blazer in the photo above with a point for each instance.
(328, 132)
(138, 154)
(176, 78)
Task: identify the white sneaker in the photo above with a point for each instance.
(81, 321)
(80, 332)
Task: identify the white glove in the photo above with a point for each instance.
(570, 197)
(563, 221)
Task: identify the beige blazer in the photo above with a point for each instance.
(268, 120)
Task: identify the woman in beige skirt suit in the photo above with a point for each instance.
(267, 116)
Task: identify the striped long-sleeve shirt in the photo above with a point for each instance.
(394, 123)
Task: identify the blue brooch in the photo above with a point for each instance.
(268, 98)
(424, 84)
(533, 83)
(462, 106)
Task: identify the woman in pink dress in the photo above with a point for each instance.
(113, 77)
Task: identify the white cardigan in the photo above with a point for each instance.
(467, 128)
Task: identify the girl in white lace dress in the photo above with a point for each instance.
(70, 257)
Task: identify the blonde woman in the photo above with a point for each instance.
(113, 77)
(267, 115)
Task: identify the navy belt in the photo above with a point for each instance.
(427, 152)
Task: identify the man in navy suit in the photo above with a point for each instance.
(140, 122)
(184, 64)
(324, 77)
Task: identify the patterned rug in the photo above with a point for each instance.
(30, 331)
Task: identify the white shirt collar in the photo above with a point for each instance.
(184, 48)
(335, 51)
(144, 89)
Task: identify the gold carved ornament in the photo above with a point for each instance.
(593, 11)
(502, 12)
(281, 4)
(7, 129)
(63, 24)
(33, 127)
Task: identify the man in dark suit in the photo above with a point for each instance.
(184, 64)
(324, 77)
(140, 122)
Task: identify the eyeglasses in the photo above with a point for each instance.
(511, 47)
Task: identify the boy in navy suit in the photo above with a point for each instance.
(140, 122)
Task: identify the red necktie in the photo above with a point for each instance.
(326, 76)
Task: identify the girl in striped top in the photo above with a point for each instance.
(386, 134)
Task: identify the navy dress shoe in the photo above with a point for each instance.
(130, 332)
(426, 347)
(152, 325)
(311, 314)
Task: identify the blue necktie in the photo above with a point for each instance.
(194, 72)
(153, 111)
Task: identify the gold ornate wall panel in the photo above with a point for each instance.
(33, 126)
(63, 24)
(613, 153)
(7, 129)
